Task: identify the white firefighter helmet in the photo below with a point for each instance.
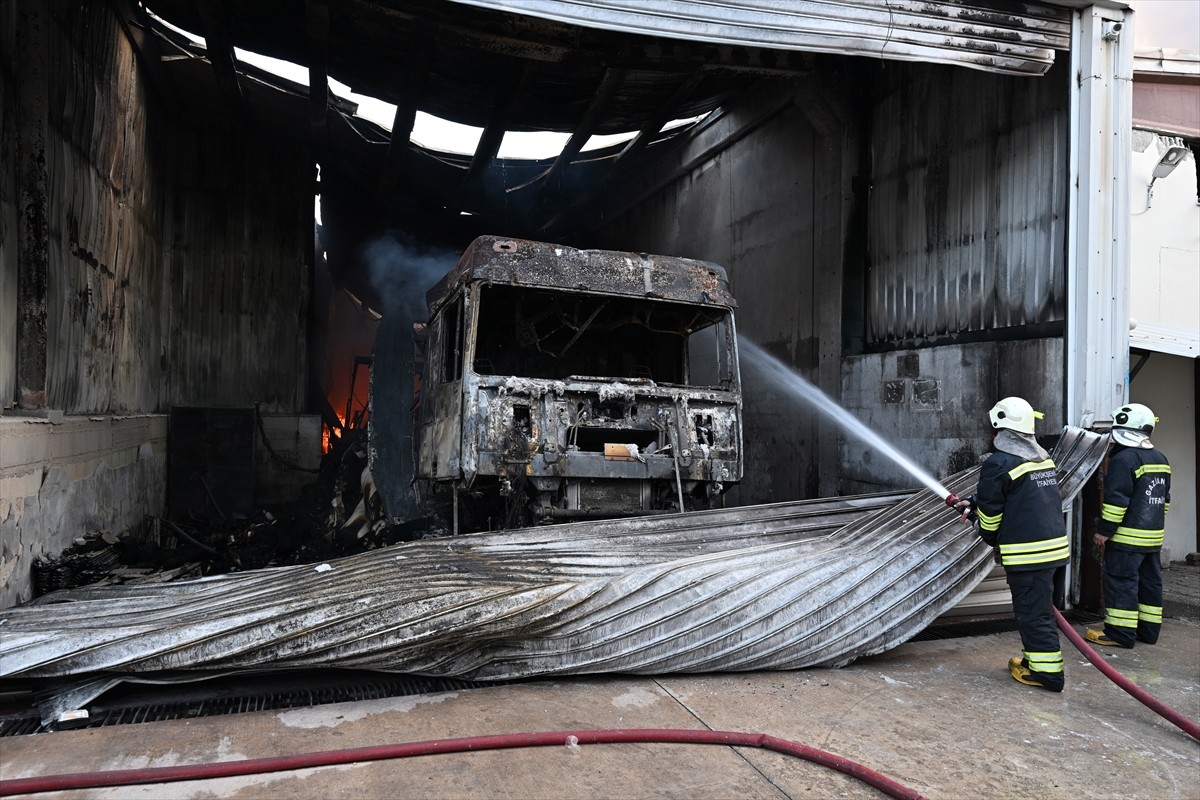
(1132, 425)
(1134, 416)
(1015, 414)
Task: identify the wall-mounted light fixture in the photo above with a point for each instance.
(1168, 162)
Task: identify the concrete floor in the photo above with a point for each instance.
(940, 717)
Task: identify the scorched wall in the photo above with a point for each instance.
(896, 233)
(174, 267)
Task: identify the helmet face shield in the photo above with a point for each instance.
(1014, 413)
(1135, 417)
(1131, 438)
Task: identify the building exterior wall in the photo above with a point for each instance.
(283, 470)
(1167, 102)
(1165, 235)
(1165, 285)
(1167, 384)
(1165, 273)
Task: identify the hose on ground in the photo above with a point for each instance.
(1149, 700)
(255, 766)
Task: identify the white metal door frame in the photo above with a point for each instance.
(1098, 224)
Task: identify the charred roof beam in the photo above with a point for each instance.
(220, 54)
(316, 25)
(148, 47)
(610, 84)
(411, 89)
(498, 122)
(665, 113)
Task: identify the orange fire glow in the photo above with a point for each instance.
(328, 434)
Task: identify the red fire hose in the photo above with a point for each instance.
(255, 766)
(1149, 700)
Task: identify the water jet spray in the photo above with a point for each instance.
(785, 378)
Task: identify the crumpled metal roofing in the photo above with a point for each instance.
(1016, 38)
(780, 586)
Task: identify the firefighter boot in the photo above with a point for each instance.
(1101, 638)
(1050, 681)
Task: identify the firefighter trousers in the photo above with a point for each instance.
(1132, 595)
(1033, 606)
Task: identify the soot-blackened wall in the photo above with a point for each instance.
(160, 255)
(873, 218)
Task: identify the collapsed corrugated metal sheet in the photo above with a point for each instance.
(1016, 38)
(762, 587)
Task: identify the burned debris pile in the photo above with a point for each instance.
(338, 514)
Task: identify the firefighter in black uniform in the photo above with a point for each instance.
(1019, 512)
(1137, 495)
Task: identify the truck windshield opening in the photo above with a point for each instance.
(556, 335)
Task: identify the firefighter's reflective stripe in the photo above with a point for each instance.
(1044, 662)
(989, 522)
(1146, 468)
(1112, 513)
(1121, 618)
(1030, 466)
(1035, 552)
(1138, 538)
(1150, 613)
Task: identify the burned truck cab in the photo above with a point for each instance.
(566, 384)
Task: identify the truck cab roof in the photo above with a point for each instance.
(521, 262)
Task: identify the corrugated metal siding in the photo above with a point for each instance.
(239, 235)
(177, 257)
(105, 194)
(968, 203)
(1017, 38)
(8, 205)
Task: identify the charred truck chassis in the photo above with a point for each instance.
(567, 384)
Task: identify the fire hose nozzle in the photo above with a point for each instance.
(968, 513)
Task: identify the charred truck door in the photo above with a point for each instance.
(564, 384)
(442, 394)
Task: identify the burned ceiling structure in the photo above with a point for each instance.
(580, 69)
(488, 69)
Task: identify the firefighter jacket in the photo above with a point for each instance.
(1137, 495)
(1019, 510)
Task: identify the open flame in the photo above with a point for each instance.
(330, 433)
